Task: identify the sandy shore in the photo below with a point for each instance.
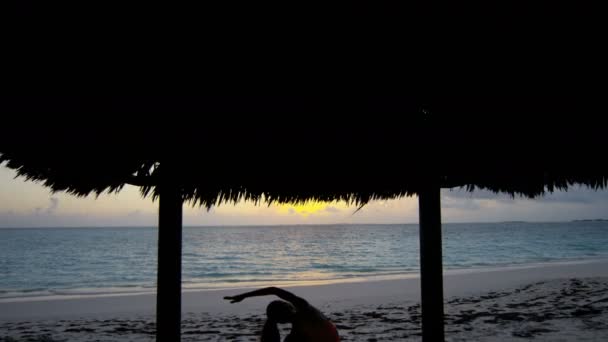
(559, 302)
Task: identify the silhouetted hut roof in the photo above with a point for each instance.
(297, 148)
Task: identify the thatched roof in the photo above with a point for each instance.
(288, 149)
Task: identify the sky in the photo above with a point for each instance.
(28, 204)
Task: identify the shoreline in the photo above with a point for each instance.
(335, 295)
(63, 294)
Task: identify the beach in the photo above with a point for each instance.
(565, 301)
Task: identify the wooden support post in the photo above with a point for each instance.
(431, 266)
(169, 291)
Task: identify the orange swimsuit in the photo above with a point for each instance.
(328, 333)
(333, 331)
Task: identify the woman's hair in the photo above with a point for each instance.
(280, 311)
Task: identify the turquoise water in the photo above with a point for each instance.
(63, 261)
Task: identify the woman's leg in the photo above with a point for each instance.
(270, 332)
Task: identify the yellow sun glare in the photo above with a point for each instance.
(310, 207)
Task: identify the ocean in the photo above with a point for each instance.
(38, 262)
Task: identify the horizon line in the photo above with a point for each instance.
(309, 224)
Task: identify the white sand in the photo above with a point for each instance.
(490, 304)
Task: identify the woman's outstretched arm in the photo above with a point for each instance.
(267, 291)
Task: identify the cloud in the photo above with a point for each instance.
(581, 195)
(134, 213)
(576, 194)
(463, 204)
(332, 210)
(461, 193)
(460, 199)
(50, 210)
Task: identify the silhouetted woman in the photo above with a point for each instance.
(308, 324)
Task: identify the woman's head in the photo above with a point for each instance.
(280, 311)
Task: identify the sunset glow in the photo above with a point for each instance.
(311, 207)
